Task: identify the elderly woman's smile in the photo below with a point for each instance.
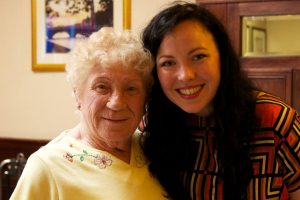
(112, 104)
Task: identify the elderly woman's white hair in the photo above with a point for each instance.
(105, 48)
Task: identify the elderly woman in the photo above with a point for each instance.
(100, 158)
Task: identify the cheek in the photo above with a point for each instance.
(164, 79)
(216, 78)
(142, 102)
(217, 74)
(140, 106)
(213, 71)
(93, 104)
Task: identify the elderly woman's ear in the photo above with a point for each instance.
(78, 103)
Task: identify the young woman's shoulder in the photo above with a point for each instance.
(275, 113)
(272, 99)
(278, 133)
(270, 103)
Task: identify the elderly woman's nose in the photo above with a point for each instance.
(116, 101)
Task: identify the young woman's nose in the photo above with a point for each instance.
(186, 72)
(116, 101)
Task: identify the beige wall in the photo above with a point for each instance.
(39, 105)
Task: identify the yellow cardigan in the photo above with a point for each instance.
(67, 169)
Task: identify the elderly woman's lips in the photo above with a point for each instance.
(114, 120)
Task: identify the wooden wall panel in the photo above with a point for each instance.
(219, 10)
(296, 89)
(275, 81)
(10, 147)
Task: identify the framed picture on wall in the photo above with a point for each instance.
(57, 25)
(258, 40)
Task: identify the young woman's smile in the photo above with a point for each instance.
(190, 92)
(188, 67)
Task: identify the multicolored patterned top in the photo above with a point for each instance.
(275, 155)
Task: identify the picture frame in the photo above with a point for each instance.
(258, 40)
(56, 27)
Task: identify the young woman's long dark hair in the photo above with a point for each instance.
(167, 140)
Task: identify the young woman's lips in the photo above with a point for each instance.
(190, 92)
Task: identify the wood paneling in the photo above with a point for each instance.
(274, 81)
(219, 10)
(296, 90)
(10, 147)
(279, 75)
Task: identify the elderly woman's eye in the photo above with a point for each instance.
(132, 90)
(101, 88)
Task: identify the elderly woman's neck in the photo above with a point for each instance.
(119, 149)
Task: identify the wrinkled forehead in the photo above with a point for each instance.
(116, 66)
(117, 69)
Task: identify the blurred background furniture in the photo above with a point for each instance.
(10, 171)
(14, 153)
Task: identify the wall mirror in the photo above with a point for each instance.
(277, 35)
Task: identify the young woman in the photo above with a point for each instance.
(210, 134)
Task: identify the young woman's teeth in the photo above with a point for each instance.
(190, 91)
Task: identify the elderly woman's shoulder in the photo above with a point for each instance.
(54, 147)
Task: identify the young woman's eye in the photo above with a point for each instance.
(199, 56)
(167, 63)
